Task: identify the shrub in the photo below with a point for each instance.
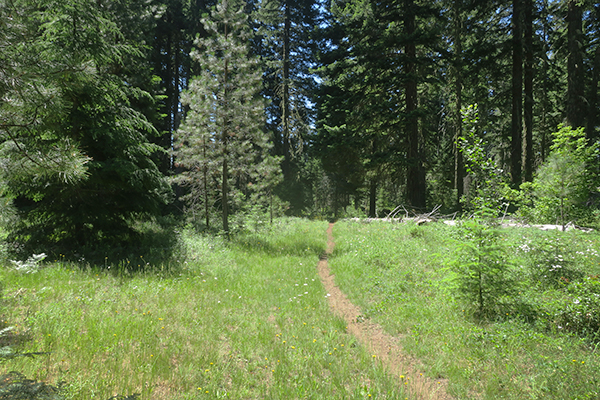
(551, 261)
(482, 270)
(563, 183)
(582, 313)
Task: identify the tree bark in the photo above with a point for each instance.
(591, 133)
(225, 139)
(459, 172)
(373, 198)
(528, 86)
(415, 178)
(517, 94)
(285, 106)
(576, 108)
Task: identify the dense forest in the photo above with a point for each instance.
(113, 112)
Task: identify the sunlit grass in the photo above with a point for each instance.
(396, 273)
(245, 319)
(249, 318)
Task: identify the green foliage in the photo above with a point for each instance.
(483, 272)
(484, 196)
(31, 102)
(393, 272)
(286, 46)
(76, 157)
(221, 144)
(581, 315)
(551, 261)
(563, 183)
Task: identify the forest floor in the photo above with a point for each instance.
(373, 337)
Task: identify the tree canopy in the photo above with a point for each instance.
(111, 110)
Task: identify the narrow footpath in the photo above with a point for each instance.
(382, 345)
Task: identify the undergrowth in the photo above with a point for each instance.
(249, 318)
(535, 337)
(245, 318)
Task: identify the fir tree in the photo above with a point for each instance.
(222, 135)
(74, 110)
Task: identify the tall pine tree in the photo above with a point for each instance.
(223, 133)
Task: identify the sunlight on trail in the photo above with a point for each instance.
(372, 336)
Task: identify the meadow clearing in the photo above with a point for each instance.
(251, 318)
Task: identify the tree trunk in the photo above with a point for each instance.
(459, 172)
(373, 198)
(225, 192)
(593, 99)
(205, 177)
(528, 86)
(285, 106)
(576, 86)
(517, 94)
(415, 178)
(225, 139)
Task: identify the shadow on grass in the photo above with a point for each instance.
(140, 246)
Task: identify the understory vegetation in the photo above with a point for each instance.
(248, 317)
(243, 319)
(502, 313)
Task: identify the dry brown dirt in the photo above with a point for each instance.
(382, 345)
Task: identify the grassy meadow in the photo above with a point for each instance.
(243, 320)
(249, 319)
(398, 274)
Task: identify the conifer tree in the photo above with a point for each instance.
(222, 135)
(74, 109)
(287, 47)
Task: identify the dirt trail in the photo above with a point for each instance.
(382, 345)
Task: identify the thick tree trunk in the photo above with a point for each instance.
(517, 94)
(373, 198)
(459, 169)
(285, 106)
(576, 108)
(415, 177)
(528, 86)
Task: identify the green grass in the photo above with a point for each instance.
(396, 274)
(246, 319)
(249, 319)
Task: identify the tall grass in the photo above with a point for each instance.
(396, 274)
(241, 319)
(249, 318)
